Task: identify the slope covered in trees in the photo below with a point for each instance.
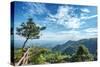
(38, 55)
(71, 47)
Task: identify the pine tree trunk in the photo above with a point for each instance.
(24, 43)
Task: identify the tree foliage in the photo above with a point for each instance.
(29, 30)
(18, 54)
(40, 55)
(82, 54)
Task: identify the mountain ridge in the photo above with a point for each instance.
(71, 46)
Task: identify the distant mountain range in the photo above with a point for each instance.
(70, 47)
(40, 43)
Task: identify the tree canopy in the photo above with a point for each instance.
(82, 54)
(29, 30)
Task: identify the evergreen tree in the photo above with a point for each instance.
(82, 54)
(29, 30)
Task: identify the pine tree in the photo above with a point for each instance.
(29, 30)
(82, 54)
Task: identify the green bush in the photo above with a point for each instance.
(18, 53)
(37, 55)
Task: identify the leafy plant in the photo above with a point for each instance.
(18, 54)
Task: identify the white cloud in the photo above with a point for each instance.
(88, 17)
(85, 10)
(91, 30)
(61, 14)
(62, 11)
(92, 17)
(73, 23)
(33, 9)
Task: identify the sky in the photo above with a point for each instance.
(63, 21)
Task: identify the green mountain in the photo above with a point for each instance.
(70, 47)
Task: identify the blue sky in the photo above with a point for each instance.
(63, 21)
